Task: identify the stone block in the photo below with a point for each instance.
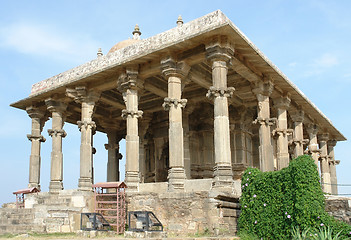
(59, 215)
(175, 227)
(65, 228)
(78, 201)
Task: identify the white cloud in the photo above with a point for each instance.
(292, 64)
(320, 65)
(327, 60)
(45, 40)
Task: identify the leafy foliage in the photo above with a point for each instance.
(273, 202)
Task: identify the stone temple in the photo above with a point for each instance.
(197, 105)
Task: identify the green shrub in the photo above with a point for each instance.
(273, 202)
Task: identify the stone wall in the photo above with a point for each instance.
(46, 212)
(189, 213)
(340, 208)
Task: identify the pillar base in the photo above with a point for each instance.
(176, 179)
(34, 185)
(132, 180)
(238, 170)
(85, 184)
(55, 186)
(223, 177)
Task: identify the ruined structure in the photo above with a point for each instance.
(196, 104)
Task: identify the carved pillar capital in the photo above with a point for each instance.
(312, 129)
(169, 102)
(129, 80)
(263, 89)
(297, 115)
(265, 121)
(34, 112)
(171, 68)
(332, 143)
(219, 49)
(83, 94)
(55, 132)
(131, 114)
(39, 138)
(86, 124)
(214, 92)
(54, 105)
(282, 102)
(323, 137)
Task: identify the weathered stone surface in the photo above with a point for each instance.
(339, 207)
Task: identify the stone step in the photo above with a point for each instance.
(14, 229)
(16, 221)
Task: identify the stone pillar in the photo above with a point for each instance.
(160, 165)
(144, 126)
(282, 132)
(207, 155)
(129, 85)
(113, 156)
(194, 155)
(219, 53)
(57, 133)
(313, 150)
(298, 140)
(87, 126)
(187, 163)
(241, 143)
(175, 72)
(262, 91)
(332, 167)
(38, 121)
(325, 172)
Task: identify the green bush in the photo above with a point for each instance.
(274, 202)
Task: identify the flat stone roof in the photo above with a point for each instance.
(215, 22)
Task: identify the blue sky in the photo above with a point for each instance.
(308, 40)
